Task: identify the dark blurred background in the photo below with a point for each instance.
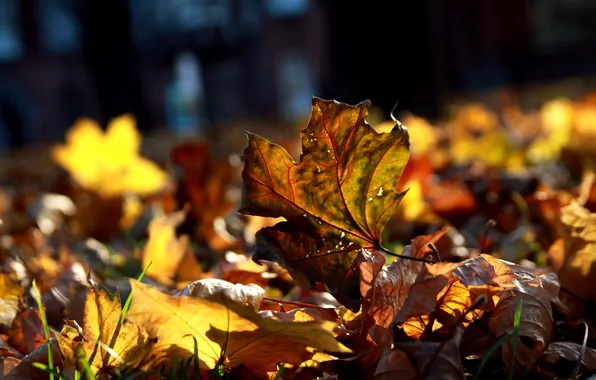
(190, 65)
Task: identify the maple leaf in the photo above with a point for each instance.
(105, 342)
(225, 330)
(108, 163)
(337, 199)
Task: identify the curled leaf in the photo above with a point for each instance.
(249, 295)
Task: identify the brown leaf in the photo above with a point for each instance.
(203, 186)
(25, 370)
(395, 364)
(337, 199)
(26, 333)
(448, 293)
(560, 359)
(393, 283)
(424, 360)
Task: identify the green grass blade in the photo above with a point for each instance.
(86, 366)
(280, 371)
(126, 306)
(46, 328)
(46, 368)
(195, 358)
(489, 353)
(516, 323)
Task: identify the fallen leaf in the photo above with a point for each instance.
(427, 360)
(249, 295)
(108, 163)
(446, 297)
(128, 343)
(205, 185)
(393, 283)
(579, 251)
(336, 199)
(558, 354)
(171, 259)
(26, 333)
(24, 369)
(10, 292)
(225, 330)
(395, 364)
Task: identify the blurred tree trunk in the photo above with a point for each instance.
(109, 52)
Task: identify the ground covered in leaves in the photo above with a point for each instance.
(343, 249)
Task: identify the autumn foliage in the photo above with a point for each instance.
(401, 250)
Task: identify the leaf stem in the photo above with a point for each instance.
(390, 253)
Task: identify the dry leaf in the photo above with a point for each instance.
(429, 360)
(450, 292)
(225, 330)
(579, 252)
(170, 257)
(249, 295)
(120, 345)
(9, 299)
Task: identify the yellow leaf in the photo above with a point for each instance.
(108, 163)
(119, 346)
(227, 330)
(423, 136)
(413, 204)
(491, 148)
(9, 299)
(579, 269)
(170, 258)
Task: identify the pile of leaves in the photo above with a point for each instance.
(411, 251)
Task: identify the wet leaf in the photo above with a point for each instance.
(223, 329)
(337, 199)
